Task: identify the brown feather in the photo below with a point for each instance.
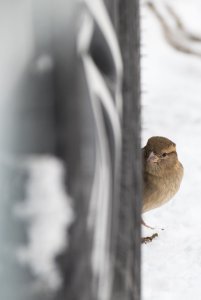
(162, 179)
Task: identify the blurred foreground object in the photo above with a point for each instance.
(65, 234)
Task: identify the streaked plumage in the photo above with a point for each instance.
(162, 172)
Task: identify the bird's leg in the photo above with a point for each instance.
(153, 228)
(148, 239)
(143, 223)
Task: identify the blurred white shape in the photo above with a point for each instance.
(99, 13)
(85, 34)
(44, 63)
(99, 219)
(47, 209)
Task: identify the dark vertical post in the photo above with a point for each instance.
(127, 278)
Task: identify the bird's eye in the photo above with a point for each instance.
(164, 154)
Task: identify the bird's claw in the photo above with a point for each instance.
(148, 239)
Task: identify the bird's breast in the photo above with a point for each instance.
(159, 190)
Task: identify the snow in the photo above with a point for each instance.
(171, 264)
(47, 209)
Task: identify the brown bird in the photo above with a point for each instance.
(162, 173)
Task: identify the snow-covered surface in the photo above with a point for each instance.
(171, 264)
(47, 209)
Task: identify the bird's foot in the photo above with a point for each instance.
(149, 239)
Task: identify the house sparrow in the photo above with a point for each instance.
(162, 173)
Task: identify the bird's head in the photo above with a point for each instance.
(160, 155)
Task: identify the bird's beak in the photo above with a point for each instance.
(152, 158)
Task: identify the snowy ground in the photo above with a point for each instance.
(171, 264)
